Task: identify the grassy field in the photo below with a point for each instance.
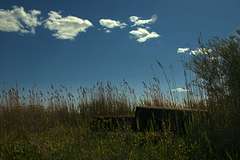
(56, 124)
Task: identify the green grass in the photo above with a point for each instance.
(79, 143)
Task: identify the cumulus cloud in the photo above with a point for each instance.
(110, 24)
(183, 50)
(142, 34)
(137, 21)
(18, 20)
(179, 90)
(66, 27)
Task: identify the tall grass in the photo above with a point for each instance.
(54, 123)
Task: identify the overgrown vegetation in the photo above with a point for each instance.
(218, 74)
(56, 124)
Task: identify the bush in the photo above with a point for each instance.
(217, 71)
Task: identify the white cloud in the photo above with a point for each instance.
(180, 90)
(110, 24)
(183, 50)
(141, 22)
(133, 18)
(18, 20)
(142, 35)
(66, 27)
(108, 31)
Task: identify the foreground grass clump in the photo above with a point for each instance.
(80, 143)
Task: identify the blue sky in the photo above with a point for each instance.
(39, 57)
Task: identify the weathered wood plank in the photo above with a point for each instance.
(146, 119)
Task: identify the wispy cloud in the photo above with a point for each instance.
(142, 35)
(108, 31)
(66, 27)
(137, 21)
(18, 20)
(180, 90)
(183, 50)
(111, 24)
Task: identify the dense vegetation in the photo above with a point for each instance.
(56, 124)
